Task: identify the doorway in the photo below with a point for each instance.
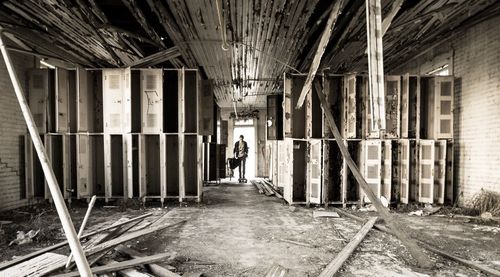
(247, 129)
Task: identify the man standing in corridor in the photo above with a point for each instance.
(241, 152)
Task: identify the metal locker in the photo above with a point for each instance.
(287, 107)
(439, 171)
(444, 103)
(315, 171)
(386, 184)
(113, 92)
(371, 156)
(426, 171)
(392, 106)
(152, 100)
(62, 100)
(128, 169)
(285, 161)
(38, 95)
(108, 177)
(182, 172)
(206, 108)
(163, 167)
(405, 92)
(82, 107)
(127, 100)
(142, 167)
(349, 122)
(404, 158)
(449, 193)
(84, 173)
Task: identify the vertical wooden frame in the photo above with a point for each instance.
(182, 171)
(285, 172)
(82, 107)
(142, 168)
(182, 91)
(29, 177)
(128, 177)
(449, 189)
(67, 167)
(345, 170)
(439, 171)
(287, 107)
(48, 148)
(387, 164)
(426, 171)
(368, 131)
(325, 182)
(371, 157)
(404, 158)
(108, 180)
(127, 101)
(84, 171)
(315, 171)
(405, 92)
(152, 100)
(392, 106)
(38, 97)
(199, 162)
(163, 166)
(62, 100)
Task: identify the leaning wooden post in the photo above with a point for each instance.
(412, 246)
(82, 227)
(344, 254)
(62, 210)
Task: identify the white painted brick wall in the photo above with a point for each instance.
(475, 61)
(12, 129)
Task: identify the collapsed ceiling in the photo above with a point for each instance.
(245, 47)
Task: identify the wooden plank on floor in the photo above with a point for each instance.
(38, 266)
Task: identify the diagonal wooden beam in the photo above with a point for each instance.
(386, 23)
(141, 18)
(325, 38)
(157, 58)
(410, 244)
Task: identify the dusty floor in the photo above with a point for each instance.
(238, 232)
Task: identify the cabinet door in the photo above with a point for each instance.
(113, 87)
(386, 169)
(287, 107)
(392, 106)
(142, 167)
(108, 177)
(128, 175)
(426, 171)
(372, 166)
(62, 100)
(206, 109)
(29, 177)
(152, 100)
(405, 101)
(404, 158)
(315, 171)
(449, 172)
(163, 166)
(84, 174)
(440, 170)
(444, 104)
(82, 107)
(349, 107)
(127, 100)
(48, 148)
(38, 89)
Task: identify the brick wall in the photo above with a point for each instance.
(12, 129)
(475, 62)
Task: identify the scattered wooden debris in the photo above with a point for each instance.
(317, 214)
(272, 187)
(38, 266)
(276, 270)
(335, 265)
(298, 243)
(427, 246)
(64, 243)
(155, 269)
(122, 265)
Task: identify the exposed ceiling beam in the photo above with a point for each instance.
(141, 18)
(325, 38)
(386, 23)
(157, 58)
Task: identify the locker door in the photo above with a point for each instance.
(28, 167)
(163, 166)
(62, 100)
(113, 90)
(315, 171)
(350, 106)
(142, 167)
(181, 100)
(107, 167)
(182, 171)
(38, 88)
(405, 92)
(67, 186)
(440, 170)
(387, 169)
(127, 100)
(48, 148)
(368, 128)
(426, 171)
(449, 172)
(404, 158)
(444, 104)
(128, 175)
(83, 100)
(392, 105)
(285, 168)
(287, 107)
(84, 176)
(372, 151)
(152, 100)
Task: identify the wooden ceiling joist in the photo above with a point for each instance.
(157, 58)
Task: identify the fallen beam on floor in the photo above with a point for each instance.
(344, 254)
(157, 270)
(412, 246)
(425, 245)
(121, 265)
(64, 243)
